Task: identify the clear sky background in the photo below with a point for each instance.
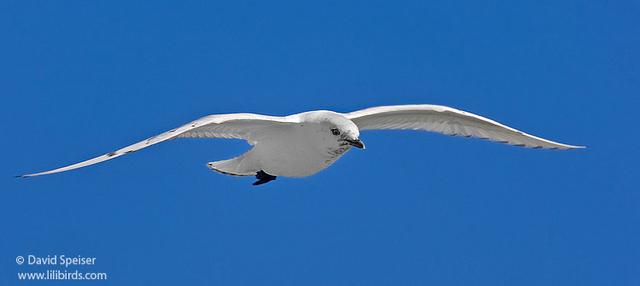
(80, 78)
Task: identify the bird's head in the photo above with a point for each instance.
(335, 126)
(347, 133)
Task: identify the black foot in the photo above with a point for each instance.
(263, 178)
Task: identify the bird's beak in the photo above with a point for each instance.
(355, 143)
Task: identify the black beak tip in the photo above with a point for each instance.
(356, 143)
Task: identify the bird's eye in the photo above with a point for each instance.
(335, 131)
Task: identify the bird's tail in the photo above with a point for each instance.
(238, 166)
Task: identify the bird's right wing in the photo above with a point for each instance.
(247, 126)
(449, 121)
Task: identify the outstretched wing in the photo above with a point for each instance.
(250, 127)
(449, 121)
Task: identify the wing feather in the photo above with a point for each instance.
(245, 126)
(449, 121)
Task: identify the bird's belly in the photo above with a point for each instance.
(294, 161)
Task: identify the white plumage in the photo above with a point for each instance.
(449, 121)
(303, 144)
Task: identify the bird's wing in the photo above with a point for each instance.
(250, 127)
(448, 121)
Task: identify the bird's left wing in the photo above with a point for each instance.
(449, 121)
(247, 126)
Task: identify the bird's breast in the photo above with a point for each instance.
(298, 156)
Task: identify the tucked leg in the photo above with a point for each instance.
(263, 178)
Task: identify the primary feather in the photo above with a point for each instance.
(449, 121)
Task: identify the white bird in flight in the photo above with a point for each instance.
(303, 144)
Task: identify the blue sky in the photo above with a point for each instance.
(81, 78)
